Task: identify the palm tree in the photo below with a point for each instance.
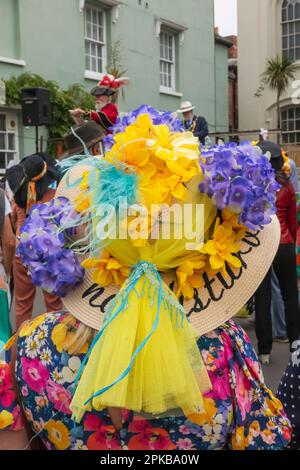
(279, 71)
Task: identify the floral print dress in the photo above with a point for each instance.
(240, 412)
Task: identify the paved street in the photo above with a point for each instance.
(272, 373)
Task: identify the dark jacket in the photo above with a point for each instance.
(199, 127)
(287, 213)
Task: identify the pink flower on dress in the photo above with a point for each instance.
(18, 424)
(184, 444)
(220, 385)
(105, 437)
(184, 429)
(34, 374)
(243, 387)
(7, 395)
(60, 397)
(92, 422)
(138, 425)
(147, 437)
(24, 391)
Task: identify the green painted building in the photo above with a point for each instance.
(168, 48)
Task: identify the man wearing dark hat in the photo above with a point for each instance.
(106, 113)
(86, 136)
(30, 182)
(81, 141)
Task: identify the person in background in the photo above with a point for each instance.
(29, 182)
(278, 317)
(106, 112)
(79, 142)
(284, 263)
(289, 394)
(86, 136)
(196, 124)
(7, 251)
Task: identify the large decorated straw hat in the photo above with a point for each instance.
(219, 297)
(153, 245)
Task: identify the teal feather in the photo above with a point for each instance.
(108, 187)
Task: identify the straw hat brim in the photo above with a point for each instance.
(216, 302)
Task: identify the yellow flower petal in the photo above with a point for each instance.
(180, 192)
(6, 419)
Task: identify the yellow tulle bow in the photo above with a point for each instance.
(146, 359)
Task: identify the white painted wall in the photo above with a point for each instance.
(259, 36)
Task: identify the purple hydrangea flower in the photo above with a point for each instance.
(42, 248)
(241, 178)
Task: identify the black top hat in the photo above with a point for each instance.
(268, 146)
(19, 176)
(109, 85)
(102, 91)
(90, 133)
(277, 160)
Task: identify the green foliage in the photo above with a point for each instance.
(277, 75)
(62, 101)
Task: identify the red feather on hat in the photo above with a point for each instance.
(112, 82)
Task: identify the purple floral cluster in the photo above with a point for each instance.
(42, 248)
(156, 116)
(240, 178)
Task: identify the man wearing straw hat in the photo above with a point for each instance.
(196, 124)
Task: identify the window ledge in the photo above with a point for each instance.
(8, 60)
(93, 75)
(167, 91)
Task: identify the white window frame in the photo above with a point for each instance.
(93, 74)
(14, 131)
(163, 88)
(289, 125)
(291, 50)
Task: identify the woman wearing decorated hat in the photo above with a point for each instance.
(153, 250)
(106, 113)
(30, 182)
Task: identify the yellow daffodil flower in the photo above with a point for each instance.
(131, 147)
(106, 270)
(168, 145)
(233, 219)
(221, 247)
(189, 277)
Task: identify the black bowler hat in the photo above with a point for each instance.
(19, 176)
(89, 133)
(275, 151)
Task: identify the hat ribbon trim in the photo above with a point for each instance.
(31, 191)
